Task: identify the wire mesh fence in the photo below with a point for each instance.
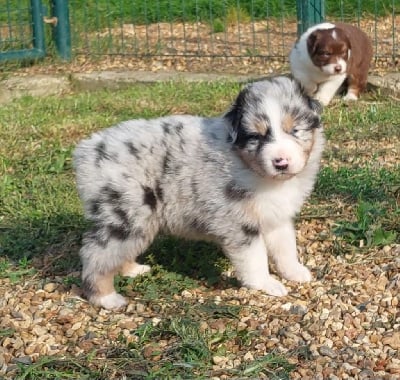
(196, 29)
(215, 28)
(15, 25)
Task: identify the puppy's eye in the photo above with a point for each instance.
(295, 131)
(325, 53)
(251, 139)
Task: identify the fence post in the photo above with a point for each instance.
(61, 29)
(37, 27)
(309, 12)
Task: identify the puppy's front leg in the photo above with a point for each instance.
(327, 90)
(281, 246)
(251, 265)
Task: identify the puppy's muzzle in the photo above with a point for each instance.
(280, 164)
(338, 69)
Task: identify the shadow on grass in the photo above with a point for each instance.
(52, 245)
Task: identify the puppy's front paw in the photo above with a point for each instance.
(298, 273)
(110, 301)
(273, 287)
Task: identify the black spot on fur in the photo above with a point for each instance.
(250, 231)
(95, 206)
(159, 192)
(149, 198)
(111, 195)
(132, 149)
(95, 234)
(118, 232)
(166, 162)
(234, 192)
(169, 128)
(101, 153)
(179, 128)
(199, 226)
(122, 214)
(195, 190)
(166, 127)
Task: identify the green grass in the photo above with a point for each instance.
(142, 12)
(367, 227)
(41, 223)
(94, 13)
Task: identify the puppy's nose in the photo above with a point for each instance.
(338, 68)
(281, 163)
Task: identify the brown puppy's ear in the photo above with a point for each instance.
(342, 35)
(312, 42)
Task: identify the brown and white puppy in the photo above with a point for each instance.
(329, 55)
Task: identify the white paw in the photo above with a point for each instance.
(272, 287)
(323, 100)
(137, 270)
(111, 301)
(349, 97)
(298, 273)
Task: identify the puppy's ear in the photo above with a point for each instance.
(312, 103)
(312, 42)
(235, 114)
(315, 105)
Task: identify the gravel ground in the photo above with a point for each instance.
(343, 325)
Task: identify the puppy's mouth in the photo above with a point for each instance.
(283, 176)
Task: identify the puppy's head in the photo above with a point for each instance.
(329, 49)
(274, 127)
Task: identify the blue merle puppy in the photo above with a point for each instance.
(237, 180)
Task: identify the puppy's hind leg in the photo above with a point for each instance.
(105, 252)
(356, 85)
(99, 266)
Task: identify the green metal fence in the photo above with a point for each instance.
(221, 28)
(21, 30)
(185, 28)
